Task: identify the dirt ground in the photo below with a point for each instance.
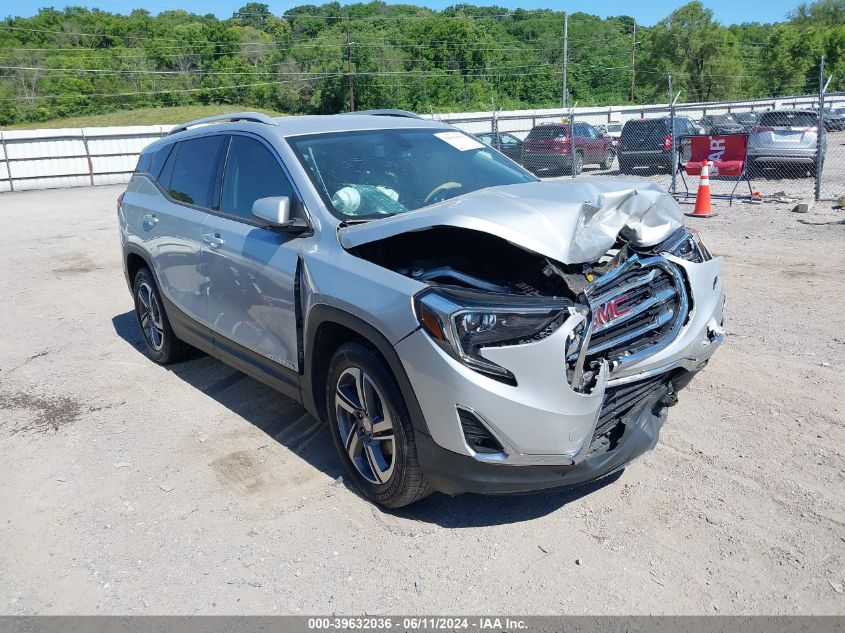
(129, 488)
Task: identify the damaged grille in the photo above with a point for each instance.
(637, 309)
(619, 403)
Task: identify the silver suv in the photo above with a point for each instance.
(459, 325)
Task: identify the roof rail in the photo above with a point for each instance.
(387, 112)
(254, 117)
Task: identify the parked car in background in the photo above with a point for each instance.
(613, 130)
(834, 121)
(648, 143)
(505, 142)
(456, 324)
(721, 124)
(787, 138)
(746, 119)
(547, 148)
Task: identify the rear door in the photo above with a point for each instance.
(250, 268)
(170, 226)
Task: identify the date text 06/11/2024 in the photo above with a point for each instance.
(420, 623)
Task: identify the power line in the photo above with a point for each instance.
(326, 75)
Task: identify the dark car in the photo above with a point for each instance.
(547, 148)
(834, 120)
(505, 142)
(721, 124)
(746, 119)
(648, 142)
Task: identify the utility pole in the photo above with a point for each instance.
(349, 68)
(565, 55)
(634, 62)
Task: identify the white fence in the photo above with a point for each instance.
(79, 157)
(72, 157)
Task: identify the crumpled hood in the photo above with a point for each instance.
(570, 222)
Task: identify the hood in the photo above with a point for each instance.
(570, 222)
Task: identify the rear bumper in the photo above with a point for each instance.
(646, 159)
(547, 161)
(453, 474)
(792, 158)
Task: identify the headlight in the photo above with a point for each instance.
(686, 244)
(461, 322)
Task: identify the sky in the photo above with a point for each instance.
(647, 13)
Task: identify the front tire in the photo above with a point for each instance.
(372, 429)
(160, 342)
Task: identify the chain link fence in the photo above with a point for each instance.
(771, 148)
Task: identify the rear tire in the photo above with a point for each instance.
(372, 429)
(607, 160)
(160, 342)
(577, 164)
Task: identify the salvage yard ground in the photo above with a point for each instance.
(131, 488)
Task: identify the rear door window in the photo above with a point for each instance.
(194, 170)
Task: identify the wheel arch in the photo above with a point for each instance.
(133, 260)
(329, 327)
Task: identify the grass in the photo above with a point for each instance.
(141, 116)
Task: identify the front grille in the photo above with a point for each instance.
(619, 403)
(637, 309)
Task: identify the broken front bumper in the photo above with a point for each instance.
(542, 422)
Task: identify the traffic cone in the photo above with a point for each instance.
(703, 208)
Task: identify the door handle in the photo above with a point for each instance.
(150, 218)
(213, 239)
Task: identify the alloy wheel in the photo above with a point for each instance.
(150, 316)
(365, 425)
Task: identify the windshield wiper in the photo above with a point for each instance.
(352, 222)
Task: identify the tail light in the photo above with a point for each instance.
(667, 142)
(619, 144)
(120, 200)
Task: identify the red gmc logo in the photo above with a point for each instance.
(610, 311)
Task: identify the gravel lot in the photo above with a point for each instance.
(132, 488)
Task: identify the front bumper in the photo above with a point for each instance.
(545, 427)
(454, 474)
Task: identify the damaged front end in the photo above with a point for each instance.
(574, 355)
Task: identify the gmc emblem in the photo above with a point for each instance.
(609, 311)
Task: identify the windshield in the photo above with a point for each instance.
(614, 128)
(376, 173)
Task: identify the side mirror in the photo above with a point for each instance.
(275, 211)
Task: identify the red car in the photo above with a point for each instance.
(547, 147)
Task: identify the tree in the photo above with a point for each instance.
(702, 56)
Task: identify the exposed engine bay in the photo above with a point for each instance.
(452, 256)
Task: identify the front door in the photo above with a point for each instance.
(250, 268)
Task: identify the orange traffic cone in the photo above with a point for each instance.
(703, 208)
